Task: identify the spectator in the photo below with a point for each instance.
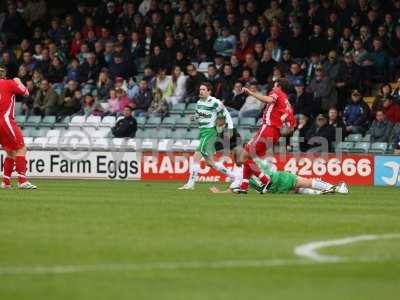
(70, 101)
(73, 70)
(287, 61)
(28, 61)
(28, 101)
(225, 43)
(113, 103)
(120, 68)
(335, 121)
(380, 128)
(56, 74)
(315, 61)
(244, 46)
(379, 58)
(23, 74)
(396, 92)
(178, 86)
(91, 107)
(235, 102)
(123, 100)
(143, 100)
(12, 68)
(193, 82)
(247, 76)
(45, 103)
(297, 42)
(385, 92)
(349, 78)
(163, 82)
(324, 88)
(295, 74)
(213, 76)
(159, 105)
(103, 86)
(226, 83)
(321, 135)
(276, 51)
(304, 125)
(236, 67)
(392, 110)
(397, 145)
(332, 66)
(265, 68)
(157, 60)
(303, 102)
(252, 107)
(127, 126)
(355, 115)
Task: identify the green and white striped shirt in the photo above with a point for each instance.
(207, 112)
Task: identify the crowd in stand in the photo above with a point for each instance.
(144, 55)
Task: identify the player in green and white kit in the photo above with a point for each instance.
(208, 110)
(285, 182)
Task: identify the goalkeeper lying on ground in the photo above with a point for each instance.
(285, 182)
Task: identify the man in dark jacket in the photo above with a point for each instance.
(235, 102)
(356, 113)
(144, 98)
(304, 102)
(380, 128)
(321, 135)
(193, 82)
(127, 126)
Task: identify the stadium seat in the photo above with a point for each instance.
(92, 121)
(141, 121)
(101, 133)
(54, 133)
(354, 138)
(169, 122)
(41, 132)
(20, 120)
(235, 122)
(28, 141)
(179, 133)
(101, 144)
(153, 122)
(140, 133)
(203, 67)
(247, 122)
(48, 121)
(64, 123)
(366, 138)
(27, 131)
(183, 122)
(361, 147)
(191, 108)
(53, 143)
(77, 121)
(344, 146)
(105, 106)
(177, 109)
(378, 148)
(108, 121)
(193, 134)
(39, 143)
(33, 121)
(164, 133)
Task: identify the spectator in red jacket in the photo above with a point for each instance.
(244, 46)
(392, 110)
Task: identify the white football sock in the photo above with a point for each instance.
(320, 185)
(194, 171)
(219, 165)
(306, 191)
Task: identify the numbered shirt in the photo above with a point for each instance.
(274, 111)
(8, 90)
(207, 112)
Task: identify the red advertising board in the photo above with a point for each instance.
(354, 169)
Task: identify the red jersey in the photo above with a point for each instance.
(290, 119)
(273, 112)
(8, 90)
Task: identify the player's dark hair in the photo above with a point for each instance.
(207, 85)
(3, 72)
(284, 84)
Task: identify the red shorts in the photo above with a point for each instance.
(266, 137)
(11, 137)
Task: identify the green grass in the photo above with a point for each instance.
(75, 223)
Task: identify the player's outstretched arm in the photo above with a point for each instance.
(262, 98)
(20, 88)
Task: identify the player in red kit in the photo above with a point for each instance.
(275, 113)
(11, 138)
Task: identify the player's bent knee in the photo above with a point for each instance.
(21, 151)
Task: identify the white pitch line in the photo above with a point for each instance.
(310, 250)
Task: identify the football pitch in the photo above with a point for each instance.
(146, 240)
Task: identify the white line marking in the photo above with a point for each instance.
(310, 250)
(307, 250)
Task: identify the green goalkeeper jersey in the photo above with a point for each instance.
(207, 112)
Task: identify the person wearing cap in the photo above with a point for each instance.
(356, 114)
(321, 135)
(324, 88)
(303, 102)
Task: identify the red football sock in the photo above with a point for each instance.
(20, 167)
(8, 168)
(246, 175)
